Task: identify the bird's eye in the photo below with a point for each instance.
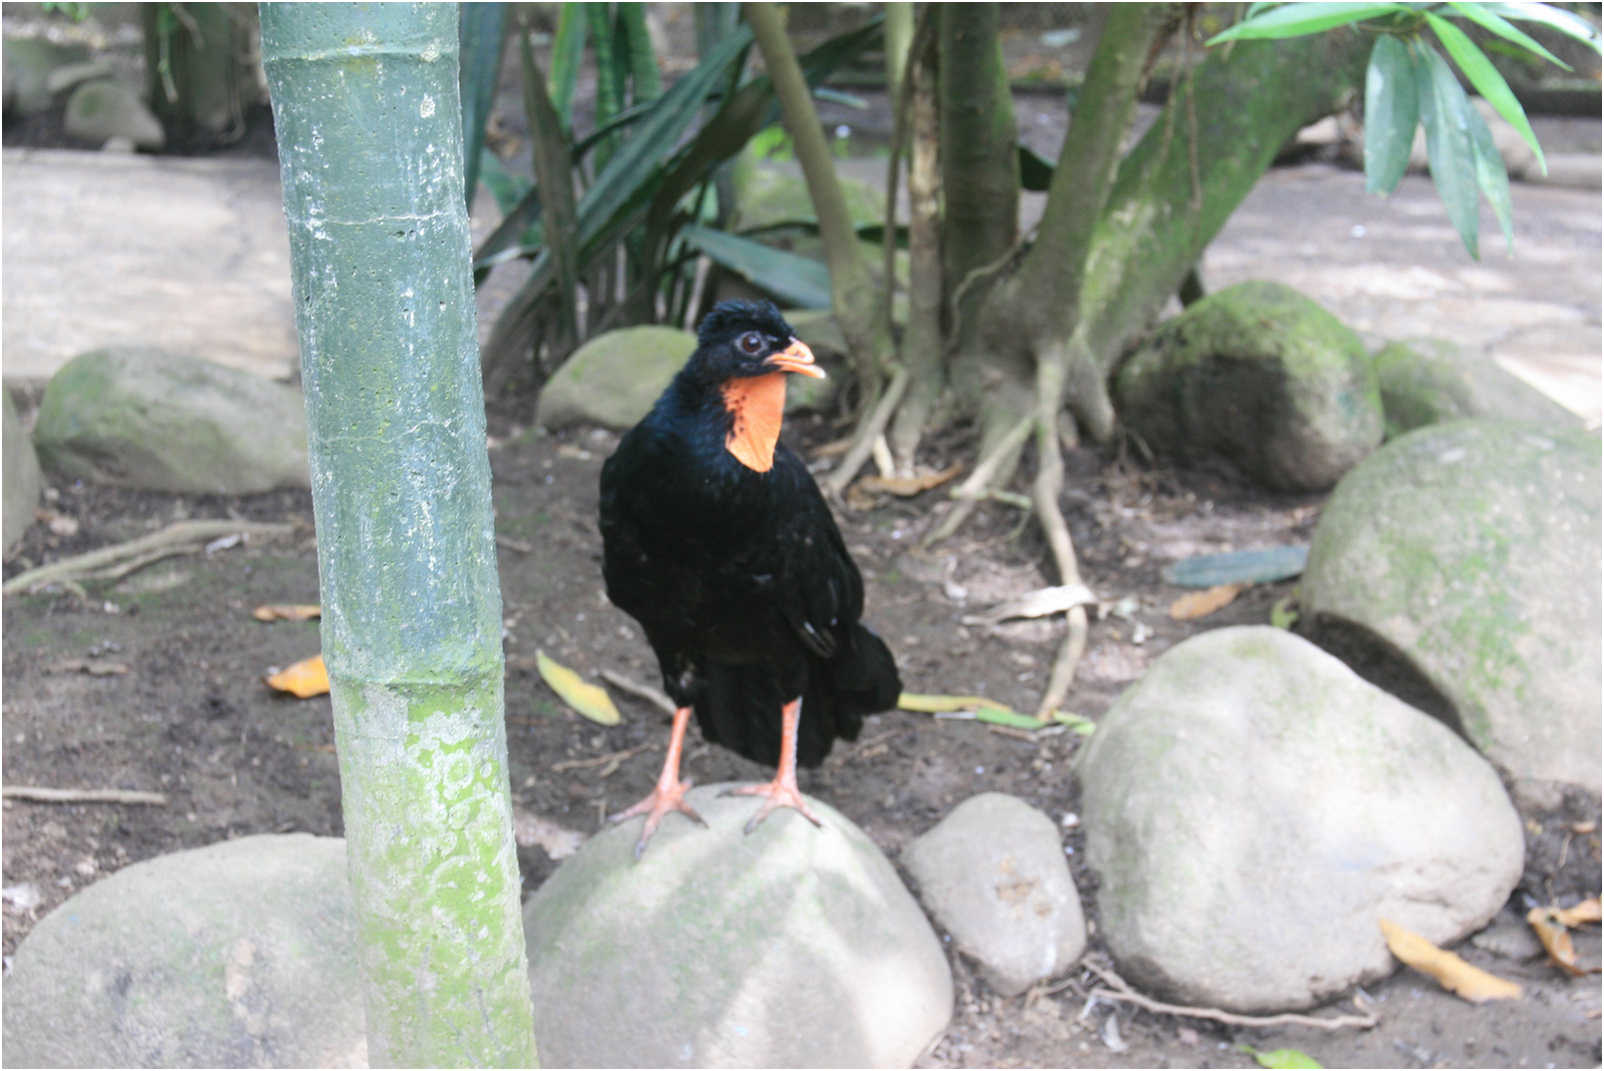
(750, 343)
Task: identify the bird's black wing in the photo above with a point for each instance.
(819, 589)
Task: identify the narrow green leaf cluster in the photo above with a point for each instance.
(636, 181)
(1410, 83)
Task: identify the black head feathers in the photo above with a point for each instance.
(730, 318)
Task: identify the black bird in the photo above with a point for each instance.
(716, 539)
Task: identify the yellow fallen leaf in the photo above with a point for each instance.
(940, 704)
(287, 612)
(1451, 972)
(1195, 604)
(905, 486)
(304, 679)
(588, 699)
(1586, 911)
(1556, 939)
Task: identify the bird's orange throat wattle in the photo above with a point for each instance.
(757, 404)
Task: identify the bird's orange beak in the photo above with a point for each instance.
(796, 358)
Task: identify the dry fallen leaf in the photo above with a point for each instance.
(1042, 602)
(588, 699)
(287, 612)
(905, 486)
(1451, 972)
(1195, 604)
(1556, 939)
(305, 679)
(1585, 911)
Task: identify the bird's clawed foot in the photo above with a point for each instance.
(780, 792)
(667, 796)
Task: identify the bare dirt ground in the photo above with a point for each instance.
(154, 684)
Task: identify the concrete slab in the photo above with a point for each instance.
(189, 255)
(192, 255)
(1394, 268)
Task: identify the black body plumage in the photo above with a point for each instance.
(740, 578)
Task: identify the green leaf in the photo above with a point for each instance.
(1262, 565)
(1495, 23)
(643, 73)
(1443, 111)
(513, 236)
(1296, 20)
(479, 31)
(1392, 108)
(794, 280)
(567, 55)
(502, 184)
(654, 139)
(554, 174)
(1078, 724)
(1282, 1058)
(1492, 177)
(1488, 82)
(1284, 614)
(1554, 18)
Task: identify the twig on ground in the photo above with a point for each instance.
(638, 690)
(608, 762)
(1123, 991)
(120, 559)
(82, 795)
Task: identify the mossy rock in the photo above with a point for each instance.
(239, 954)
(142, 417)
(1262, 376)
(1251, 806)
(1471, 550)
(1431, 380)
(791, 946)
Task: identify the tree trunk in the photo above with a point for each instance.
(979, 152)
(367, 111)
(1217, 136)
(853, 297)
(192, 72)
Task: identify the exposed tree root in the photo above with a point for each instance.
(1122, 991)
(869, 430)
(118, 560)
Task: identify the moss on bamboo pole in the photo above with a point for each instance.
(366, 108)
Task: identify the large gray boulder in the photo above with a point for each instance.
(240, 954)
(1262, 376)
(1252, 808)
(103, 109)
(1472, 550)
(993, 875)
(22, 479)
(614, 378)
(26, 67)
(160, 421)
(793, 946)
(1432, 380)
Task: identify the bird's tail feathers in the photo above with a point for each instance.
(740, 708)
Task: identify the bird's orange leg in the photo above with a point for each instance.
(782, 791)
(669, 793)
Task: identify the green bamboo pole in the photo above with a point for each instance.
(367, 112)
